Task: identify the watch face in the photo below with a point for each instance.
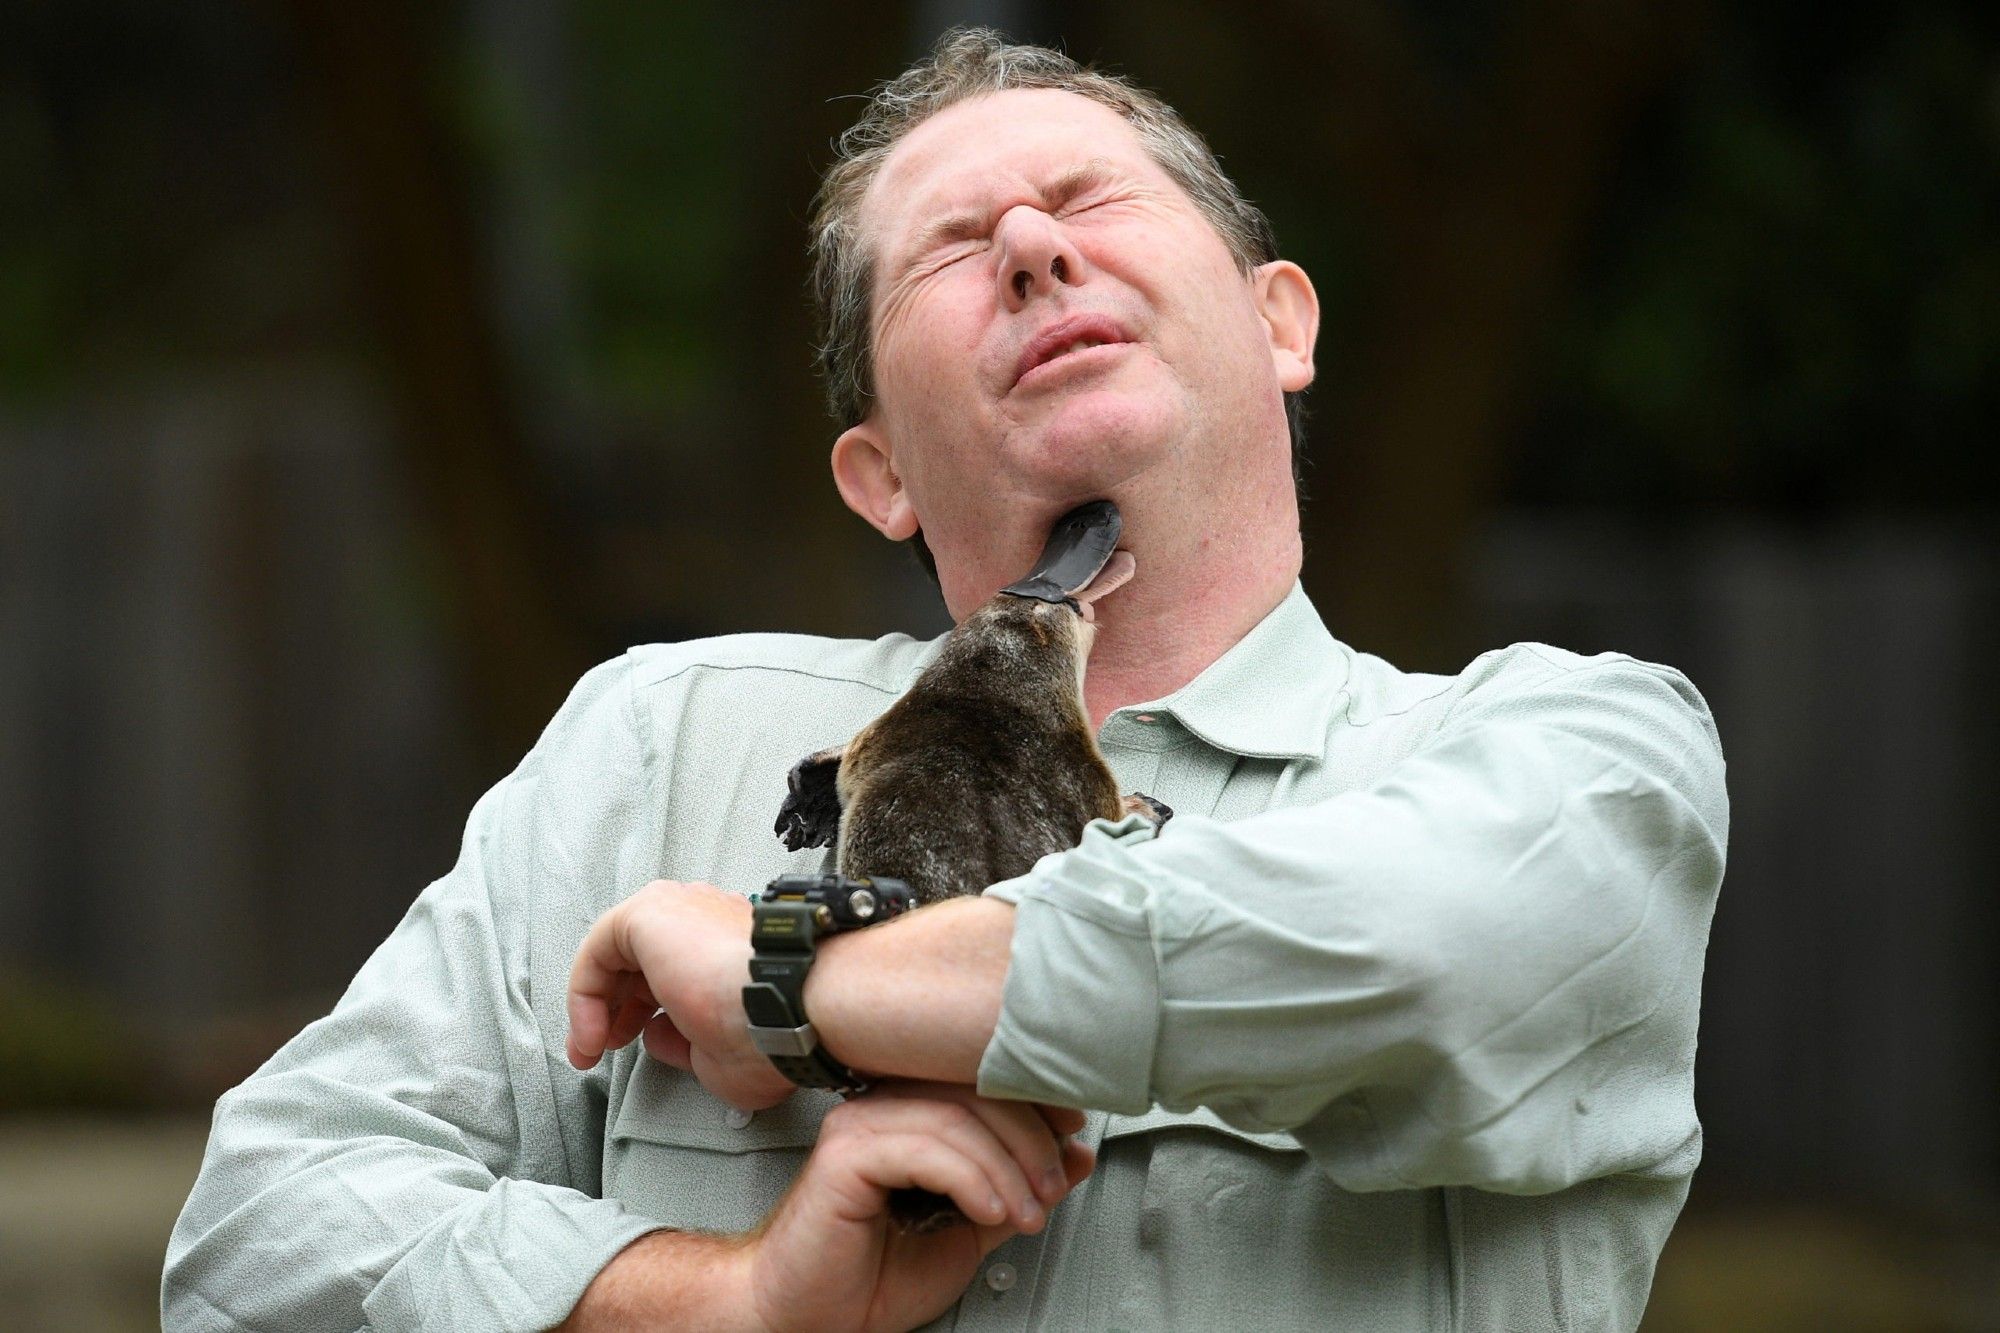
(782, 927)
(841, 903)
(873, 900)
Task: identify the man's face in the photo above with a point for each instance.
(1009, 228)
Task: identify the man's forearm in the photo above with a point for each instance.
(918, 997)
(669, 1279)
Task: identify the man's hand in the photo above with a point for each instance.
(671, 961)
(829, 1261)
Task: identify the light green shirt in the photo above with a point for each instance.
(1392, 1027)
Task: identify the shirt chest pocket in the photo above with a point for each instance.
(677, 1154)
(1199, 1187)
(1200, 1172)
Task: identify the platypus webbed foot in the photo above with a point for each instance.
(810, 816)
(1157, 811)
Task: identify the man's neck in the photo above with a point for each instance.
(1206, 574)
(1196, 594)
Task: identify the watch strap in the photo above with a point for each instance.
(774, 1004)
(783, 935)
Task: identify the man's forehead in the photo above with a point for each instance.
(996, 139)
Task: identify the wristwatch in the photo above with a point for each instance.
(789, 917)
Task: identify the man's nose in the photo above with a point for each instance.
(1036, 256)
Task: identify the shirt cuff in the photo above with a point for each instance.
(1080, 1013)
(517, 1258)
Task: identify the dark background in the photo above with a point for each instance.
(368, 370)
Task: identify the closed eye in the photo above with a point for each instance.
(965, 253)
(1071, 210)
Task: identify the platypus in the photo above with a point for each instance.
(987, 762)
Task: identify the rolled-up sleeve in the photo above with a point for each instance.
(1483, 969)
(418, 1159)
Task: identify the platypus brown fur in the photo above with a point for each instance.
(985, 765)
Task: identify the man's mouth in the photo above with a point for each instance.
(1078, 333)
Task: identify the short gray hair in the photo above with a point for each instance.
(968, 63)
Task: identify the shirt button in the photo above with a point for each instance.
(1001, 1276)
(736, 1119)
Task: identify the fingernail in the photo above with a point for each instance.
(995, 1207)
(1031, 1214)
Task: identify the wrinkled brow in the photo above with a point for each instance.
(967, 225)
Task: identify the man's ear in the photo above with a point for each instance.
(1290, 307)
(865, 472)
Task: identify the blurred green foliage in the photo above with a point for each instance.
(1792, 300)
(160, 210)
(650, 199)
(621, 152)
(62, 1046)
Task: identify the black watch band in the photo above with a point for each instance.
(789, 918)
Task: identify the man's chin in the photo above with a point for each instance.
(1094, 441)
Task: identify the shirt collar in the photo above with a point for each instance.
(1272, 694)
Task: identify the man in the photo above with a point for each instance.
(1392, 1027)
